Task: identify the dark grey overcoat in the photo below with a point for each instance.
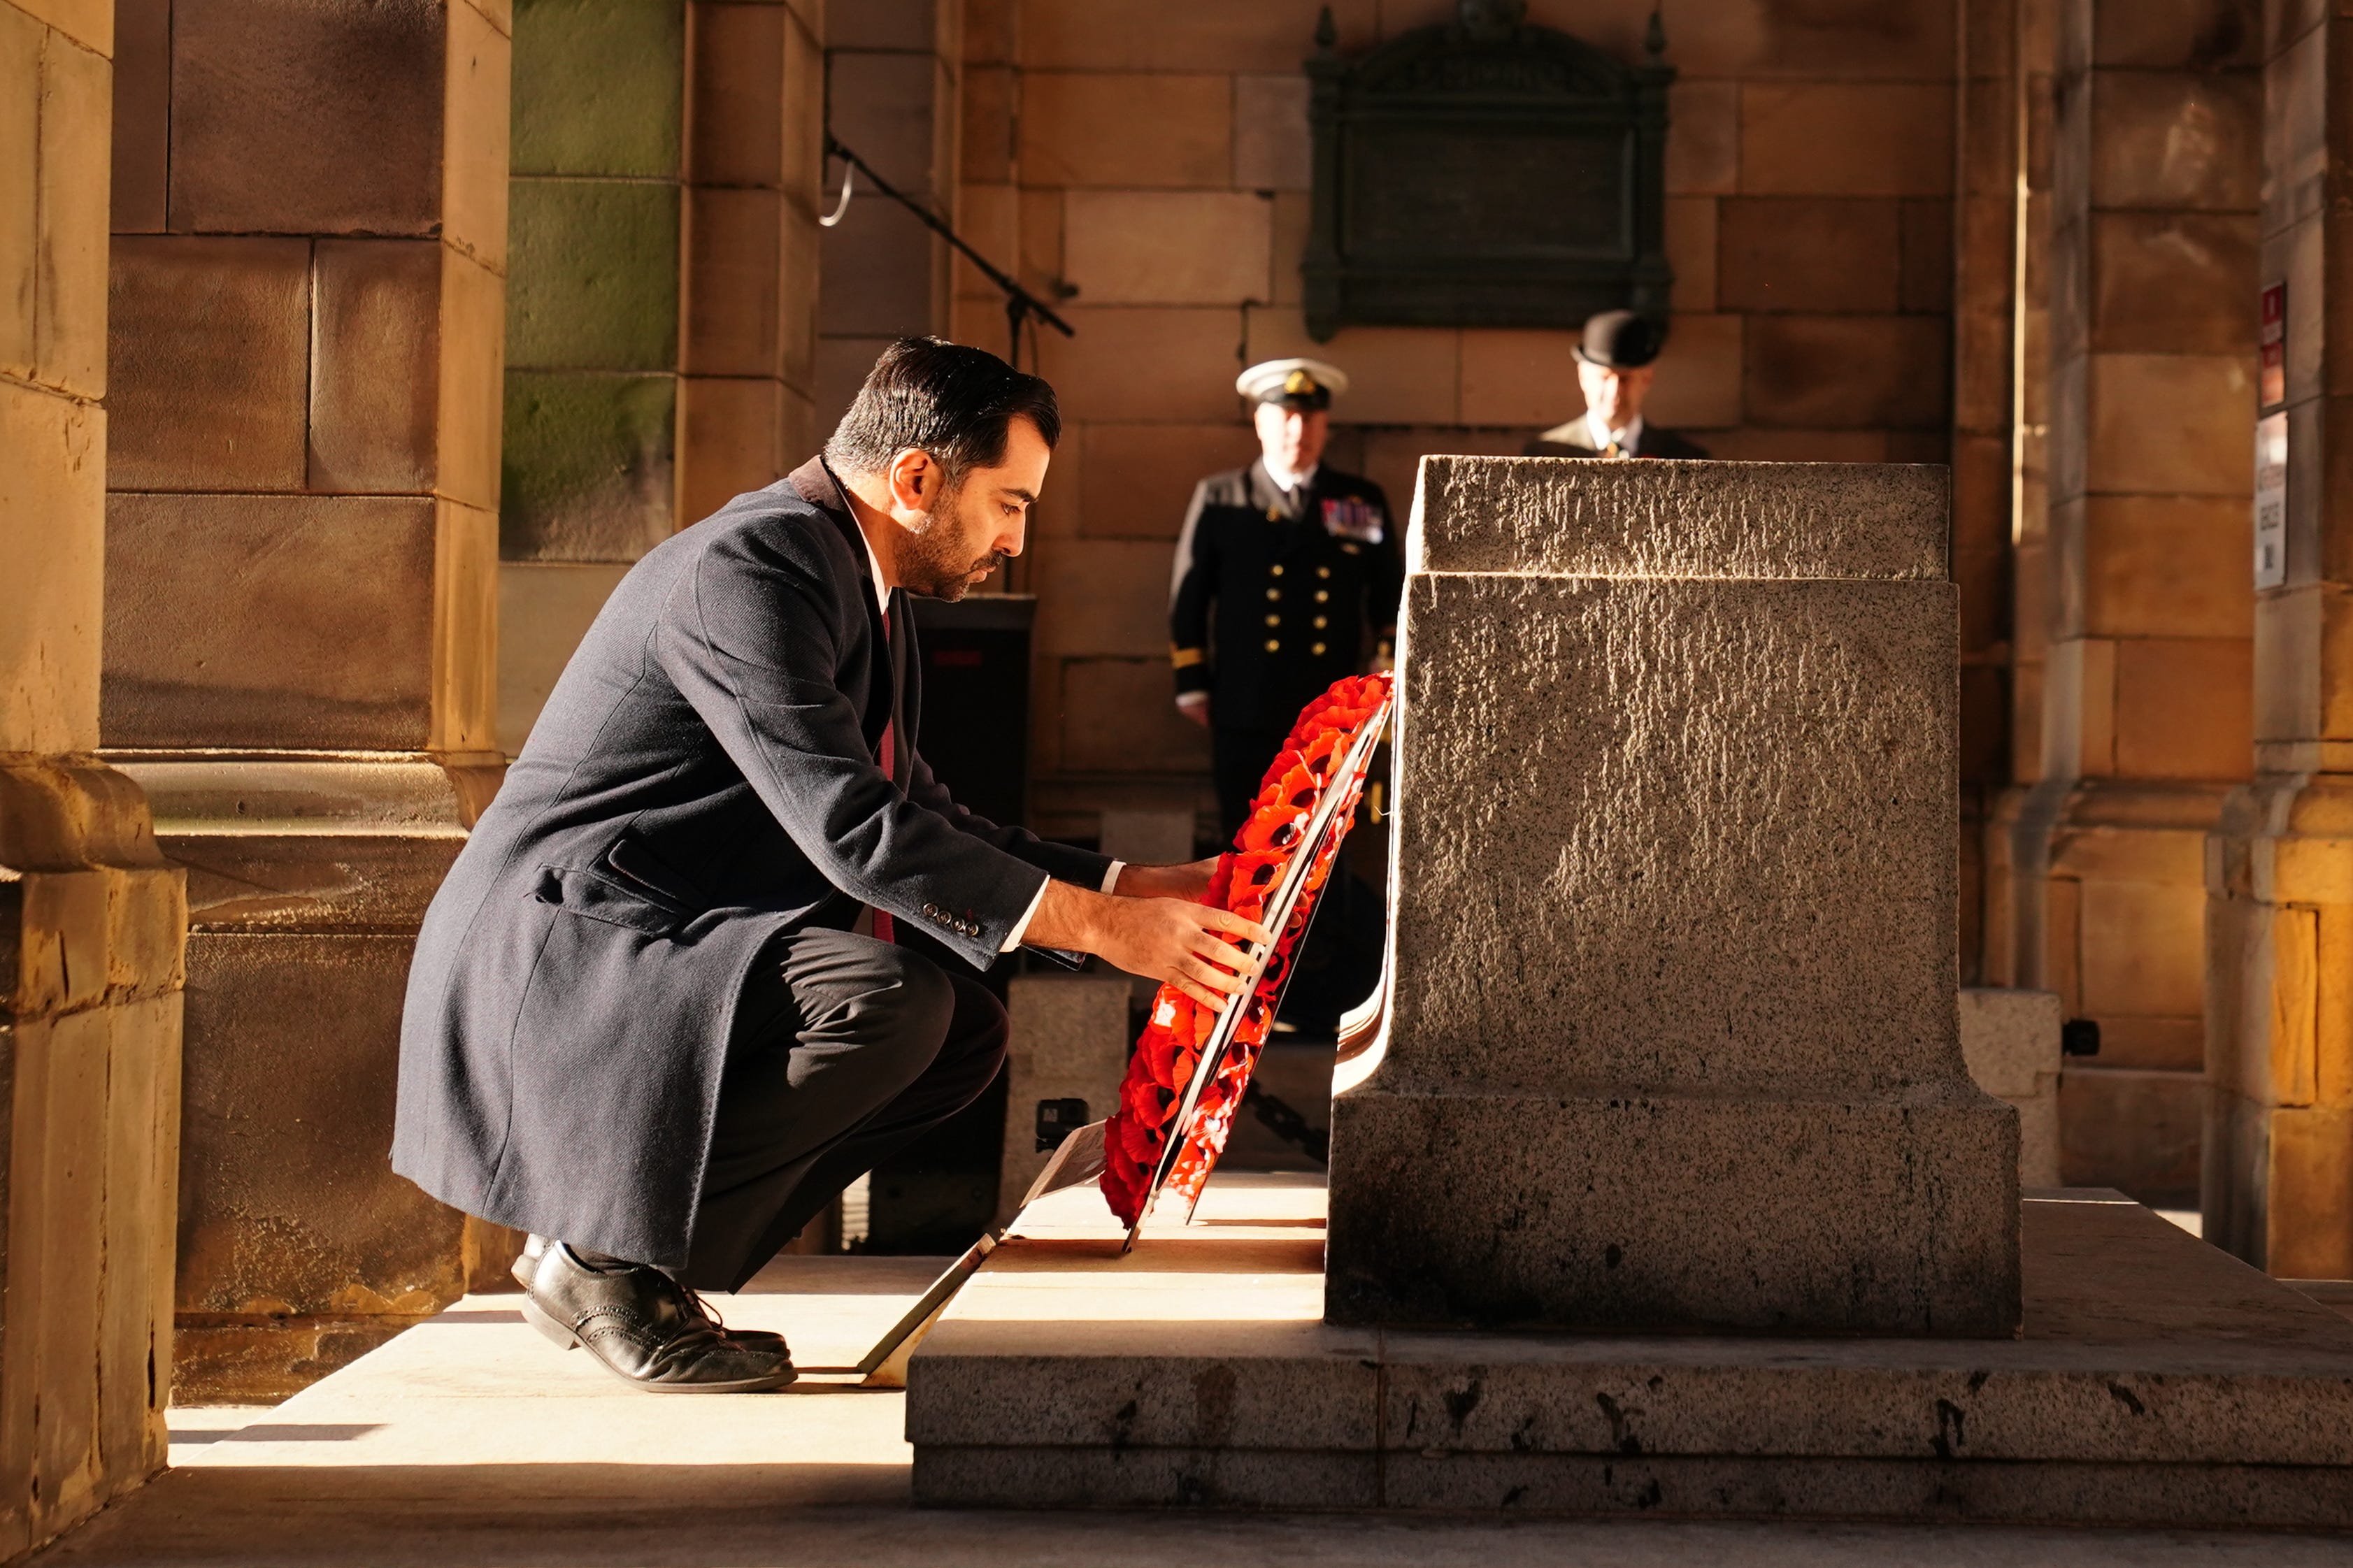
(704, 777)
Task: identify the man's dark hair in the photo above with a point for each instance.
(952, 402)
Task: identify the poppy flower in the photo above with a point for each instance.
(1170, 1049)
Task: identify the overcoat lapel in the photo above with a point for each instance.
(902, 636)
(888, 666)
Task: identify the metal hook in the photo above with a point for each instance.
(848, 173)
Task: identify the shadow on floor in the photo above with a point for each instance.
(656, 1516)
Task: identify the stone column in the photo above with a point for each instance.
(2145, 677)
(596, 310)
(1672, 1038)
(1991, 219)
(2012, 930)
(755, 131)
(892, 71)
(91, 918)
(302, 544)
(662, 300)
(2278, 1187)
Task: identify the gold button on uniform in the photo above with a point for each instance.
(1273, 646)
(1275, 620)
(1320, 622)
(1274, 593)
(1320, 570)
(1274, 571)
(1317, 648)
(1321, 596)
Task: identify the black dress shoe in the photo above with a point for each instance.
(527, 1266)
(647, 1329)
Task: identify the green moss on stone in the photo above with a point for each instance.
(592, 275)
(589, 464)
(599, 87)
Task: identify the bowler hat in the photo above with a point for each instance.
(1621, 340)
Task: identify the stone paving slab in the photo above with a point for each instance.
(476, 1385)
(2157, 1380)
(484, 1446)
(537, 1516)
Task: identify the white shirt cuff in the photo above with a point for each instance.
(1021, 926)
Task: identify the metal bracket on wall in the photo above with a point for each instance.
(1020, 305)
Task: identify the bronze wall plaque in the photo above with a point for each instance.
(1485, 173)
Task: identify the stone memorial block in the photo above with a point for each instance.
(1672, 1039)
(1069, 1041)
(2011, 1040)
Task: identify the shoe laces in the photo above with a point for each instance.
(709, 1313)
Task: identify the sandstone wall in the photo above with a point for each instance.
(2135, 598)
(660, 318)
(893, 70)
(305, 347)
(1154, 159)
(90, 916)
(2278, 1160)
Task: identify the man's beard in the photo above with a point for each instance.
(933, 565)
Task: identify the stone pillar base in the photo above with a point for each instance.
(307, 877)
(90, 923)
(2098, 894)
(1855, 1214)
(2277, 1186)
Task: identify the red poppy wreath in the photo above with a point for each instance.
(1247, 877)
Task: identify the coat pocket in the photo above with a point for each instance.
(599, 898)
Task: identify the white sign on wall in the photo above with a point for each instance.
(2270, 500)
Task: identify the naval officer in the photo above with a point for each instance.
(1615, 371)
(1287, 578)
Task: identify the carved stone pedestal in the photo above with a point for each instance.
(1671, 1037)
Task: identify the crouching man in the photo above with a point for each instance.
(657, 1017)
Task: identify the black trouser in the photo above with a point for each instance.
(846, 1050)
(1239, 758)
(1340, 962)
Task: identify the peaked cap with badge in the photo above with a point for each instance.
(1278, 592)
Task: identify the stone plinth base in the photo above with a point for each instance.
(2159, 1382)
(1671, 1040)
(1617, 1212)
(299, 1248)
(2011, 1040)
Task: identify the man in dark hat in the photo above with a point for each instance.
(1614, 368)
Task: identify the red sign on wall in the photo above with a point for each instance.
(2271, 383)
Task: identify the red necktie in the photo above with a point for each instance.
(885, 928)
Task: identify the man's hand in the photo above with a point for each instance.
(1189, 882)
(1195, 705)
(1181, 943)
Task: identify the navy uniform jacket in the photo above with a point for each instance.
(704, 777)
(1290, 592)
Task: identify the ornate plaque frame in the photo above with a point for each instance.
(1485, 173)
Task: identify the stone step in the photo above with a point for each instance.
(2158, 1381)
